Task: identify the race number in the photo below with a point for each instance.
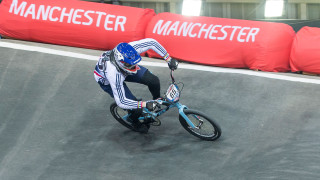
(173, 93)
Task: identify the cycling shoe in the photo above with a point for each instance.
(141, 128)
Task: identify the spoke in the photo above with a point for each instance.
(200, 123)
(203, 127)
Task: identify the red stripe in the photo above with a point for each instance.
(135, 69)
(95, 72)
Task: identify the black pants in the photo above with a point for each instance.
(143, 76)
(153, 84)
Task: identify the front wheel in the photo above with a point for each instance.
(205, 127)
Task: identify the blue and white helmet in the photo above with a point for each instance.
(127, 58)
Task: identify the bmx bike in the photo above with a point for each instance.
(195, 122)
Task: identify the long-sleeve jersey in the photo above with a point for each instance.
(107, 73)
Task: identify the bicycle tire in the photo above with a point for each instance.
(193, 115)
(115, 110)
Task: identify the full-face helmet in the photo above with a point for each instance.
(127, 58)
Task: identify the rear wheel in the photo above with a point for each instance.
(205, 127)
(121, 115)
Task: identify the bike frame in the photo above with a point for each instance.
(162, 111)
(176, 104)
(172, 105)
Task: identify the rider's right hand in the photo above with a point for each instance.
(173, 64)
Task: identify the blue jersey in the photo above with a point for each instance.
(107, 73)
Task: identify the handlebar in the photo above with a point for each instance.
(172, 78)
(164, 101)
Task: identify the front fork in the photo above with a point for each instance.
(183, 107)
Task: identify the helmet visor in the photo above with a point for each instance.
(128, 66)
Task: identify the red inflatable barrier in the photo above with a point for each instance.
(73, 23)
(305, 53)
(224, 42)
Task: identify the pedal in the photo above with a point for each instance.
(156, 122)
(152, 121)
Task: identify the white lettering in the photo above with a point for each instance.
(204, 30)
(76, 15)
(69, 15)
(108, 22)
(16, 9)
(241, 33)
(213, 30)
(234, 30)
(174, 28)
(120, 21)
(51, 13)
(178, 28)
(252, 33)
(99, 17)
(86, 14)
(43, 12)
(157, 28)
(190, 32)
(184, 28)
(224, 32)
(31, 10)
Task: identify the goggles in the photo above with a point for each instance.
(128, 66)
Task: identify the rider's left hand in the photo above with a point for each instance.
(151, 105)
(173, 64)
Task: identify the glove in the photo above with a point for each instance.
(173, 64)
(151, 105)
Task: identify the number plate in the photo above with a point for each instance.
(173, 93)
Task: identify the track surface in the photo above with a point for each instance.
(55, 124)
